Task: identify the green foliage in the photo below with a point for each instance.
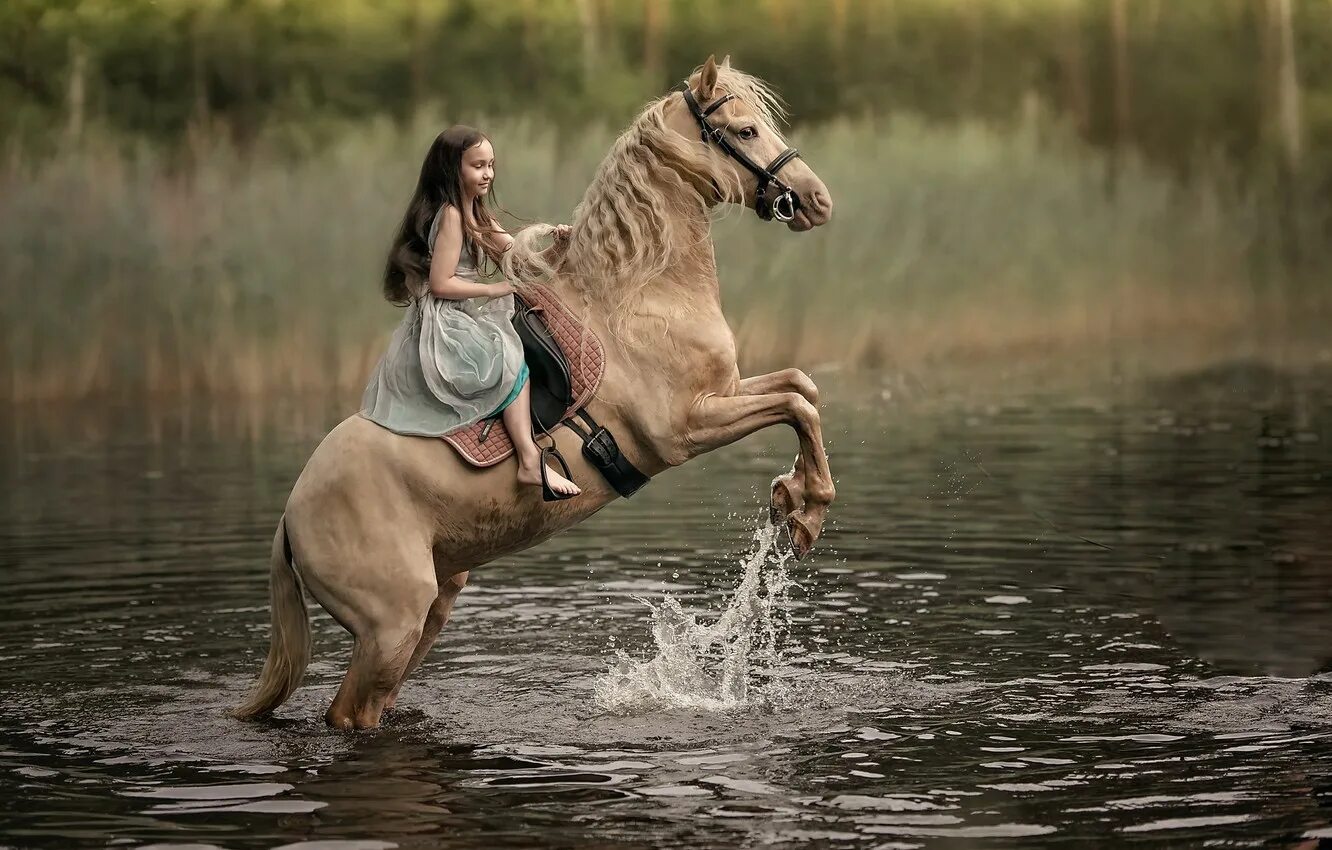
(191, 183)
(1198, 71)
(126, 273)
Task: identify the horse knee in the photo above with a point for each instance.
(802, 412)
(378, 662)
(392, 652)
(803, 384)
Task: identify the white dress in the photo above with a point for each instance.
(449, 363)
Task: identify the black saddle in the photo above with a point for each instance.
(548, 371)
(552, 400)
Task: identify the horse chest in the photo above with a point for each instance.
(705, 355)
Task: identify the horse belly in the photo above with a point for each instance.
(366, 490)
(482, 529)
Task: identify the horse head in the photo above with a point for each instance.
(732, 121)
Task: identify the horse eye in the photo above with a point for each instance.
(747, 133)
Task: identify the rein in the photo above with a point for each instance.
(783, 207)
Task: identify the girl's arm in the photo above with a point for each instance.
(444, 263)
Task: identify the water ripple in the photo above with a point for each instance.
(1049, 619)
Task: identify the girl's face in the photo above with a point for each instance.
(478, 169)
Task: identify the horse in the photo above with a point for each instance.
(382, 529)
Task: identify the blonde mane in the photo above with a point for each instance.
(645, 209)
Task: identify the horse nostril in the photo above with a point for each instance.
(821, 202)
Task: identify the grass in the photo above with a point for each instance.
(128, 274)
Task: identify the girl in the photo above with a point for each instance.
(455, 358)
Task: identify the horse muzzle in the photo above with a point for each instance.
(776, 201)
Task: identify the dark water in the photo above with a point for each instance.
(1037, 617)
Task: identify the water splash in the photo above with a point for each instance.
(715, 667)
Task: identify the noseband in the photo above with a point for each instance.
(781, 206)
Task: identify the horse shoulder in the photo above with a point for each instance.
(710, 354)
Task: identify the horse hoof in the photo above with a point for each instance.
(785, 499)
(342, 723)
(803, 532)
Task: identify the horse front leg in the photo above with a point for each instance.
(715, 421)
(787, 491)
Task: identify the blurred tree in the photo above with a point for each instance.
(1282, 30)
(655, 19)
(589, 16)
(1120, 87)
(76, 98)
(1171, 79)
(1072, 59)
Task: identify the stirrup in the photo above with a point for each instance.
(548, 494)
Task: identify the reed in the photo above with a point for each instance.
(127, 274)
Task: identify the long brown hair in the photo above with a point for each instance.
(440, 183)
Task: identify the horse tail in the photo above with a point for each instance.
(289, 642)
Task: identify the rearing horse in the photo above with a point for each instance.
(382, 529)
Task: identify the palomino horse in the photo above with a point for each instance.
(382, 529)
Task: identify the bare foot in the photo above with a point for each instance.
(530, 473)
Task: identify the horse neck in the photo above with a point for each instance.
(689, 281)
(691, 277)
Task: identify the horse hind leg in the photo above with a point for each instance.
(386, 627)
(435, 620)
(377, 665)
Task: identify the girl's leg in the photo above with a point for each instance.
(518, 419)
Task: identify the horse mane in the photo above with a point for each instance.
(645, 207)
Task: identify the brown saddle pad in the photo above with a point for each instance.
(587, 362)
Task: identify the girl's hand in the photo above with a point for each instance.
(501, 289)
(562, 232)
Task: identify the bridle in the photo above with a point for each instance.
(786, 202)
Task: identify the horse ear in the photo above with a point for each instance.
(726, 61)
(707, 80)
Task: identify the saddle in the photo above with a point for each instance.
(565, 363)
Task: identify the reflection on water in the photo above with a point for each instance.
(1050, 616)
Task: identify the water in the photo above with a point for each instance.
(1038, 616)
(707, 665)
